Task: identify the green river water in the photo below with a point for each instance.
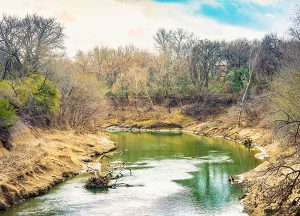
(177, 174)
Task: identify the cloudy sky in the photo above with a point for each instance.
(119, 22)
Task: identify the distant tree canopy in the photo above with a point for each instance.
(238, 52)
(182, 65)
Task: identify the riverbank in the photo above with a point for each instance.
(224, 125)
(59, 155)
(41, 159)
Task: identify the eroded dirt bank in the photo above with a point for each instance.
(41, 159)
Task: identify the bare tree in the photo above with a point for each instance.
(270, 57)
(162, 40)
(295, 29)
(26, 44)
(181, 42)
(237, 52)
(203, 59)
(82, 61)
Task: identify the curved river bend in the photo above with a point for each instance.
(180, 174)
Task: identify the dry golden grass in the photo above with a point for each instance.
(145, 118)
(37, 162)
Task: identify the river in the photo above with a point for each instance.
(175, 174)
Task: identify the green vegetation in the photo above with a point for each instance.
(34, 93)
(237, 79)
(8, 114)
(46, 98)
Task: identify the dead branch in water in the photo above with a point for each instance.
(99, 180)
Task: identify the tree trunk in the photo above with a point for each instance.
(245, 95)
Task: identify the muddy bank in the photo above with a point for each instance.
(41, 159)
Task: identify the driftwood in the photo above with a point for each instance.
(109, 179)
(248, 142)
(97, 182)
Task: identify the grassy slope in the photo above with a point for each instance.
(157, 117)
(41, 159)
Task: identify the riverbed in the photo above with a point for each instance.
(173, 174)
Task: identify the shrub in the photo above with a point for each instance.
(285, 100)
(8, 115)
(286, 94)
(236, 79)
(248, 142)
(35, 97)
(34, 94)
(81, 102)
(45, 96)
(216, 86)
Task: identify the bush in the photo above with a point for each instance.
(45, 96)
(35, 97)
(285, 101)
(34, 94)
(81, 102)
(216, 86)
(286, 94)
(236, 79)
(248, 142)
(8, 115)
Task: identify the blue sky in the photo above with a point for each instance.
(256, 14)
(115, 23)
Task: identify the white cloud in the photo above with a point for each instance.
(119, 22)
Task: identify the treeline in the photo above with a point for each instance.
(184, 67)
(42, 86)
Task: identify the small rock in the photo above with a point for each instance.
(86, 159)
(67, 174)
